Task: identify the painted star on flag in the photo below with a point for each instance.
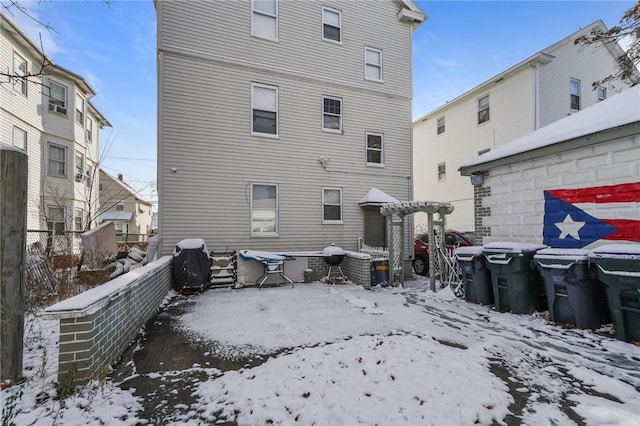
(569, 228)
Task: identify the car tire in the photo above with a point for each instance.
(420, 266)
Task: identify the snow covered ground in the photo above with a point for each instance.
(342, 355)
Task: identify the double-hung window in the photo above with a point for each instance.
(575, 94)
(57, 98)
(120, 206)
(19, 138)
(264, 19)
(375, 153)
(264, 210)
(19, 74)
(264, 110)
(79, 166)
(602, 93)
(442, 171)
(372, 64)
(440, 125)
(55, 219)
(78, 219)
(89, 130)
(57, 160)
(332, 205)
(483, 109)
(80, 110)
(331, 114)
(331, 25)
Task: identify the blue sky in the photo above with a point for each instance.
(462, 44)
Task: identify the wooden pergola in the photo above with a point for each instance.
(394, 214)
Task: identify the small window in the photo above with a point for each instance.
(264, 100)
(19, 73)
(264, 210)
(372, 64)
(89, 130)
(101, 187)
(483, 109)
(78, 219)
(331, 25)
(375, 153)
(88, 175)
(331, 205)
(19, 138)
(264, 19)
(79, 110)
(575, 94)
(484, 151)
(442, 171)
(120, 206)
(440, 125)
(57, 98)
(57, 160)
(332, 114)
(602, 93)
(55, 219)
(79, 166)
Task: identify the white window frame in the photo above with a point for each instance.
(51, 224)
(601, 93)
(483, 108)
(371, 65)
(575, 89)
(325, 24)
(89, 130)
(58, 106)
(20, 137)
(120, 206)
(324, 203)
(88, 173)
(380, 150)
(274, 233)
(253, 107)
(331, 114)
(19, 83)
(49, 159)
(79, 166)
(258, 14)
(442, 171)
(441, 125)
(78, 218)
(80, 103)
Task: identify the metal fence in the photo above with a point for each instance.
(62, 243)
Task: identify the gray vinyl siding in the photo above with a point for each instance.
(205, 122)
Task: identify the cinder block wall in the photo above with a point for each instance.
(98, 325)
(357, 267)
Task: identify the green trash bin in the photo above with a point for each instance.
(517, 286)
(618, 267)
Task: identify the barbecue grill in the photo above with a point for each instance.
(333, 256)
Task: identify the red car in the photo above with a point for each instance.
(452, 240)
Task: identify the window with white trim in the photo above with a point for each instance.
(89, 130)
(372, 64)
(78, 219)
(19, 138)
(332, 205)
(79, 166)
(440, 125)
(442, 171)
(55, 218)
(79, 110)
(331, 25)
(483, 109)
(575, 94)
(264, 19)
(120, 206)
(331, 114)
(88, 173)
(264, 210)
(19, 72)
(57, 98)
(375, 153)
(264, 110)
(602, 93)
(57, 160)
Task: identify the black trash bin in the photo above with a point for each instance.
(191, 264)
(517, 287)
(574, 296)
(380, 272)
(476, 277)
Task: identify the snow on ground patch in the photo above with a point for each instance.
(388, 379)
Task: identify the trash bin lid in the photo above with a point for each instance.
(576, 255)
(468, 251)
(511, 247)
(191, 244)
(618, 251)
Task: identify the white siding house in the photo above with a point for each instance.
(541, 89)
(50, 116)
(277, 117)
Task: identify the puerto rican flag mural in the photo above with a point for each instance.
(576, 218)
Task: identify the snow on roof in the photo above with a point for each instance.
(115, 216)
(376, 196)
(128, 188)
(616, 111)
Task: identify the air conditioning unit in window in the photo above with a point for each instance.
(79, 176)
(58, 108)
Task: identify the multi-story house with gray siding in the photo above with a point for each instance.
(277, 118)
(540, 90)
(46, 111)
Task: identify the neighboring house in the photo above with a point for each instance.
(276, 118)
(572, 184)
(52, 119)
(541, 89)
(130, 212)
